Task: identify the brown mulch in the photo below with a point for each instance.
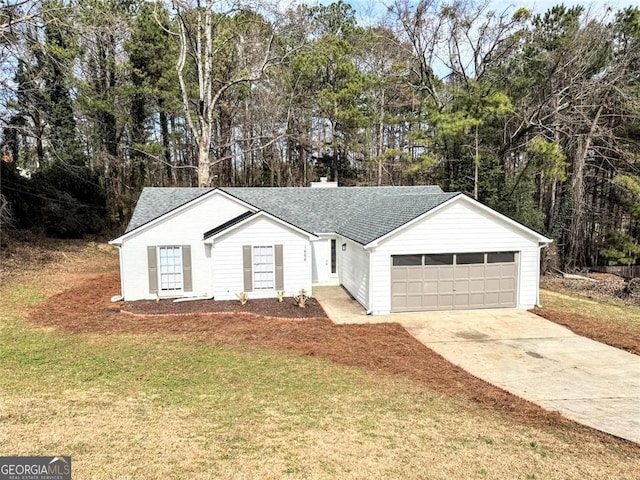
(615, 335)
(255, 306)
(385, 348)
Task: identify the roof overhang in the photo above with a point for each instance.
(178, 210)
(461, 197)
(209, 239)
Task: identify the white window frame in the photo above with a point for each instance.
(180, 270)
(254, 270)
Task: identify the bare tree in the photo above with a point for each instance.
(209, 32)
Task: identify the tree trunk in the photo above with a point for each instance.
(577, 227)
(204, 167)
(380, 139)
(166, 147)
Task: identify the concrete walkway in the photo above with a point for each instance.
(541, 361)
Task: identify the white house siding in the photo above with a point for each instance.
(186, 228)
(226, 258)
(456, 228)
(354, 270)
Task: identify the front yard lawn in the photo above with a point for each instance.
(216, 396)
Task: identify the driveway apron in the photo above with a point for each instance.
(586, 381)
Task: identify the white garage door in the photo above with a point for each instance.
(453, 281)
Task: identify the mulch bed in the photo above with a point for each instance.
(617, 336)
(256, 306)
(385, 348)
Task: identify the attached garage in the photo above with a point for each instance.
(458, 255)
(446, 281)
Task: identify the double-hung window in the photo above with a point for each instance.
(170, 263)
(263, 267)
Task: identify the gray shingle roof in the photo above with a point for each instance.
(362, 214)
(156, 201)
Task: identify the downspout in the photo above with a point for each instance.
(540, 247)
(122, 294)
(370, 285)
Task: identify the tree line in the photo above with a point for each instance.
(536, 115)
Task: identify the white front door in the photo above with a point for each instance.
(325, 261)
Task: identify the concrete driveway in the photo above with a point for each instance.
(541, 361)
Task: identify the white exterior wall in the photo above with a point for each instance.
(456, 228)
(226, 262)
(354, 270)
(186, 228)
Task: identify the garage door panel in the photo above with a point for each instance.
(461, 300)
(414, 302)
(430, 302)
(430, 287)
(507, 298)
(398, 273)
(508, 270)
(431, 273)
(507, 284)
(476, 299)
(414, 273)
(445, 287)
(445, 302)
(414, 288)
(461, 286)
(477, 285)
(399, 302)
(493, 270)
(399, 288)
(492, 284)
(476, 271)
(445, 273)
(455, 286)
(460, 271)
(492, 298)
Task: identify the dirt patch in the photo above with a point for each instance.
(605, 277)
(257, 306)
(615, 335)
(381, 348)
(33, 255)
(606, 285)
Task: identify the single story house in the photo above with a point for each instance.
(394, 249)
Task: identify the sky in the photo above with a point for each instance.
(369, 10)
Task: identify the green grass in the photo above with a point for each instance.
(610, 310)
(127, 406)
